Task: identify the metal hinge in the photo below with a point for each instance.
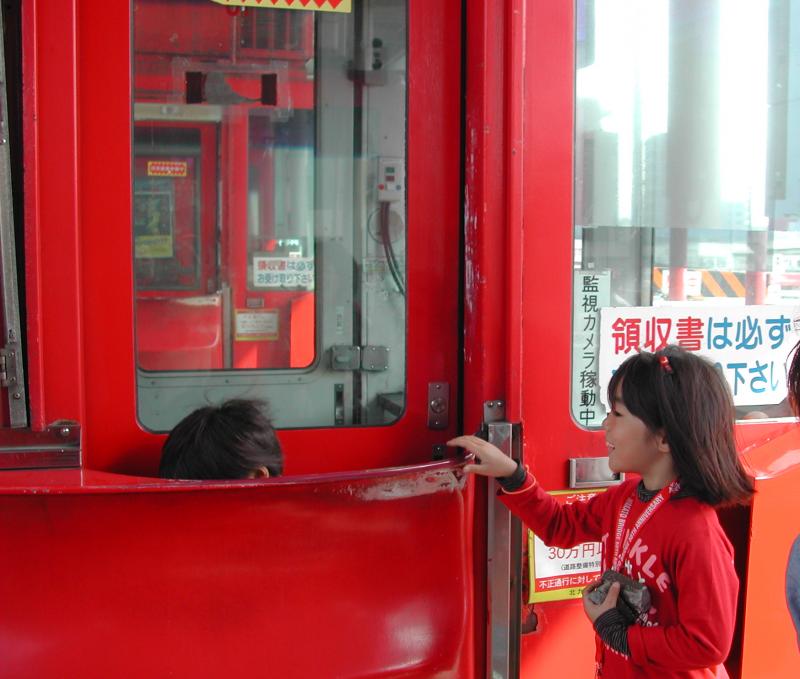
(371, 358)
(9, 369)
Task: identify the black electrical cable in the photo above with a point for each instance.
(391, 258)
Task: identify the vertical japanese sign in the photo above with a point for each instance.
(750, 344)
(558, 573)
(592, 291)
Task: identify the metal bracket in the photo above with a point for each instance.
(9, 366)
(57, 446)
(345, 357)
(374, 358)
(592, 472)
(504, 559)
(371, 358)
(438, 405)
(494, 411)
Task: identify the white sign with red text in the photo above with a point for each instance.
(750, 344)
(561, 573)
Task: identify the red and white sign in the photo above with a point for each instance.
(750, 344)
(558, 573)
(312, 5)
(167, 168)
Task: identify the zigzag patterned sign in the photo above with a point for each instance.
(343, 6)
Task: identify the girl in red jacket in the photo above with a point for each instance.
(671, 423)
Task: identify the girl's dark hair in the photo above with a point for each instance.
(793, 381)
(688, 399)
(226, 441)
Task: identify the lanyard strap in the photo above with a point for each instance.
(644, 517)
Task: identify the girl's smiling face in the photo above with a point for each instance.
(632, 447)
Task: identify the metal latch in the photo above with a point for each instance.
(372, 358)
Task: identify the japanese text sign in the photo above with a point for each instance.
(592, 292)
(559, 573)
(750, 344)
(296, 273)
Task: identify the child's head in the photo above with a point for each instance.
(234, 440)
(685, 397)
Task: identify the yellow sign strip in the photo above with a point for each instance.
(711, 284)
(343, 6)
(735, 283)
(658, 277)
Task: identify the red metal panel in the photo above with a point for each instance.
(52, 278)
(769, 643)
(362, 575)
(485, 249)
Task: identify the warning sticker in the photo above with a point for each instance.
(167, 168)
(558, 573)
(256, 325)
(310, 5)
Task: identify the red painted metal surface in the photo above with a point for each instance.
(52, 237)
(563, 644)
(323, 576)
(485, 249)
(769, 643)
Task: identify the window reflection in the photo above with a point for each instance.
(684, 157)
(259, 226)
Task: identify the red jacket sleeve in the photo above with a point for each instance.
(561, 525)
(706, 585)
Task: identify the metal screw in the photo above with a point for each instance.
(64, 432)
(17, 396)
(438, 405)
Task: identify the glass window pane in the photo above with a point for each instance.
(269, 210)
(687, 199)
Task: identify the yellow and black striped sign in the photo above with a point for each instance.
(723, 284)
(713, 283)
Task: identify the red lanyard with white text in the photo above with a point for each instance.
(644, 517)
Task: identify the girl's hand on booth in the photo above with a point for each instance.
(489, 460)
(593, 610)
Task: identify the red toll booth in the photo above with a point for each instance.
(396, 221)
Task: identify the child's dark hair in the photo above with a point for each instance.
(687, 397)
(793, 381)
(227, 441)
